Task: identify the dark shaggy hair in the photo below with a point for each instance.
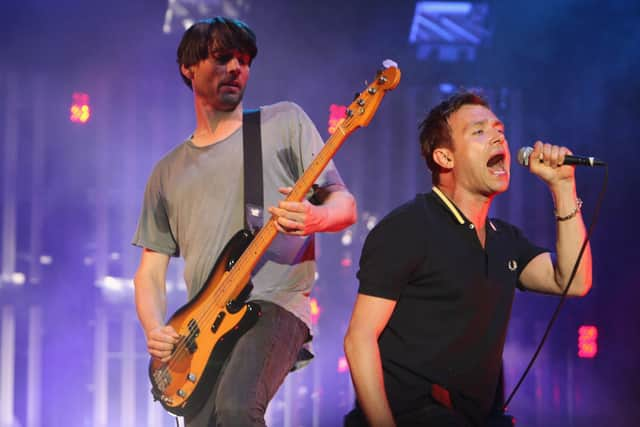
(216, 33)
(435, 131)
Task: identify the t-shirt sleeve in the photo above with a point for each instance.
(526, 252)
(154, 230)
(390, 255)
(310, 143)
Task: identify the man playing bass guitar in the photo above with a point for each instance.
(194, 203)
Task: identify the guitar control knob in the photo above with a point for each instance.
(181, 393)
(191, 377)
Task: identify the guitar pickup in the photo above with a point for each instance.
(194, 329)
(217, 322)
(191, 345)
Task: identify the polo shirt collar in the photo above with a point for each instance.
(453, 209)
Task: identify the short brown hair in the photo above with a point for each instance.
(435, 131)
(215, 33)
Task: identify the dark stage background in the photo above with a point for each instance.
(72, 353)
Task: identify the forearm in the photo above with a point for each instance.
(570, 235)
(151, 306)
(339, 211)
(363, 355)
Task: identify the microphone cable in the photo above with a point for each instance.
(566, 289)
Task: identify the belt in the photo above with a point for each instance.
(441, 395)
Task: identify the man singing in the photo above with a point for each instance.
(437, 277)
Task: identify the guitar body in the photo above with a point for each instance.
(208, 333)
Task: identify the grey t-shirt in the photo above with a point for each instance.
(194, 203)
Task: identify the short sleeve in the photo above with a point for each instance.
(310, 143)
(525, 250)
(154, 229)
(391, 253)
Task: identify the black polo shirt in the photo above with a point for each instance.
(453, 299)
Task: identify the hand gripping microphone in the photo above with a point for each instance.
(569, 159)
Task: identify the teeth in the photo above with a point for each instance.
(496, 166)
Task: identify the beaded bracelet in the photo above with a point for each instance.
(573, 213)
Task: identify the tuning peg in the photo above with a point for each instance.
(356, 95)
(388, 63)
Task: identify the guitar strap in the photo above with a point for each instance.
(252, 156)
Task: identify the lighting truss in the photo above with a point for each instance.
(449, 31)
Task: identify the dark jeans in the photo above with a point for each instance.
(257, 366)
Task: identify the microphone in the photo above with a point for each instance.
(569, 159)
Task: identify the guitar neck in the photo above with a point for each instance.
(318, 164)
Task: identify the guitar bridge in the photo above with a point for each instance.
(162, 379)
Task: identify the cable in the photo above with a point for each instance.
(566, 289)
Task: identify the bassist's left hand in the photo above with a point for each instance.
(298, 218)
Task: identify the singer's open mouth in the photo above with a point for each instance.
(496, 164)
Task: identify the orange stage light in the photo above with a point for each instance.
(80, 109)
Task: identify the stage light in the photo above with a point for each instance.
(452, 7)
(80, 109)
(587, 341)
(446, 88)
(343, 365)
(112, 284)
(183, 13)
(346, 261)
(450, 31)
(371, 222)
(337, 113)
(46, 259)
(115, 285)
(347, 238)
(303, 391)
(315, 310)
(18, 279)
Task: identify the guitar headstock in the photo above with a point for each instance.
(363, 108)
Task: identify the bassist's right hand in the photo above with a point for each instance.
(161, 341)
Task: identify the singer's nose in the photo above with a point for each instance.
(499, 139)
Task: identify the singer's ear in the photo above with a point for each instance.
(443, 157)
(186, 72)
